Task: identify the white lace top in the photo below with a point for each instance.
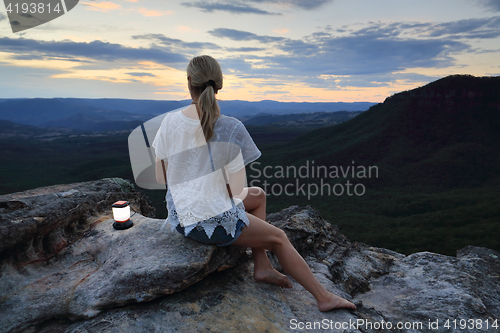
(197, 195)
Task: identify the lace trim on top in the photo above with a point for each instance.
(227, 220)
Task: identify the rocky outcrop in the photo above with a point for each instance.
(105, 268)
(37, 224)
(143, 280)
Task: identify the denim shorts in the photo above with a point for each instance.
(219, 237)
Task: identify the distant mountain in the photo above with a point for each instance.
(9, 129)
(39, 111)
(107, 113)
(58, 112)
(100, 120)
(312, 120)
(445, 132)
(291, 107)
(436, 152)
(435, 147)
(136, 106)
(245, 110)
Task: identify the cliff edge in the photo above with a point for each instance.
(63, 268)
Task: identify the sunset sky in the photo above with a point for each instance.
(285, 50)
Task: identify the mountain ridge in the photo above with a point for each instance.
(100, 114)
(406, 119)
(436, 150)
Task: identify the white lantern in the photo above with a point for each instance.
(121, 214)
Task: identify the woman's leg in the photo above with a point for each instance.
(255, 204)
(261, 234)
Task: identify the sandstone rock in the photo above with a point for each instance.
(105, 268)
(37, 224)
(180, 288)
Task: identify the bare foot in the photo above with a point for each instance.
(272, 276)
(335, 302)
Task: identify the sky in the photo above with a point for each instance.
(283, 50)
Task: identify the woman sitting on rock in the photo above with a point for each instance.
(199, 151)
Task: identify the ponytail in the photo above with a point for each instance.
(210, 111)
(206, 80)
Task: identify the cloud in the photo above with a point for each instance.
(270, 92)
(281, 31)
(491, 4)
(361, 55)
(23, 81)
(240, 35)
(378, 49)
(236, 64)
(477, 28)
(28, 82)
(299, 47)
(242, 8)
(96, 49)
(471, 28)
(2, 17)
(44, 57)
(102, 6)
(151, 13)
(488, 27)
(174, 43)
(141, 74)
(304, 4)
(377, 54)
(245, 49)
(227, 7)
(380, 80)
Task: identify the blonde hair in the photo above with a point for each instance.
(206, 80)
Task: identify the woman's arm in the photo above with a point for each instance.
(237, 181)
(161, 171)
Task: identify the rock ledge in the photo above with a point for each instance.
(142, 280)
